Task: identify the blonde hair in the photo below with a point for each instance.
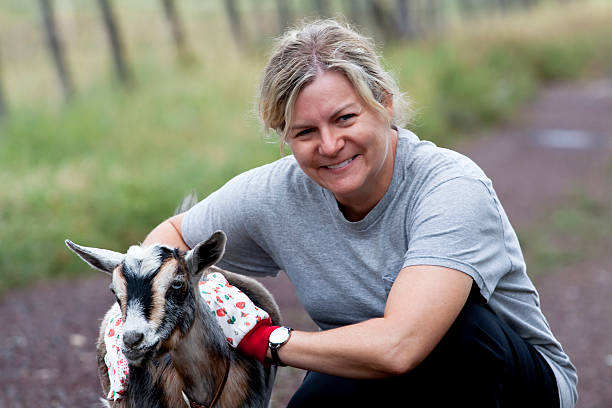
(302, 54)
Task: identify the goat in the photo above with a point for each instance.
(175, 347)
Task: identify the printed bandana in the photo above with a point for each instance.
(114, 358)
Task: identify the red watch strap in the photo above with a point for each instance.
(255, 342)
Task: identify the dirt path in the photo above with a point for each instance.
(560, 143)
(561, 140)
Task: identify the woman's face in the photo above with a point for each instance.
(342, 144)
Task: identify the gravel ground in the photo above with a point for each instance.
(560, 141)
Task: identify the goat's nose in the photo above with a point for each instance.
(132, 338)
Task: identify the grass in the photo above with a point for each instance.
(112, 164)
(108, 166)
(473, 76)
(574, 231)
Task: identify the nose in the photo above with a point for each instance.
(132, 338)
(330, 142)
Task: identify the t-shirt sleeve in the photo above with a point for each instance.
(458, 225)
(233, 211)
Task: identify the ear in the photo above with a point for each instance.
(100, 259)
(387, 102)
(206, 253)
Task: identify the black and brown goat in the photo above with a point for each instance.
(173, 344)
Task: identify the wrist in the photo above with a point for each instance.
(278, 338)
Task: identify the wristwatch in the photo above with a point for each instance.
(277, 339)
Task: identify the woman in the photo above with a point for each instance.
(399, 250)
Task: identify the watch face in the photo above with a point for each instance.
(279, 336)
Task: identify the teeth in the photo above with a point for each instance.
(337, 166)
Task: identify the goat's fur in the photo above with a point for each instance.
(183, 348)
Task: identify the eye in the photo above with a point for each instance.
(177, 285)
(303, 132)
(347, 117)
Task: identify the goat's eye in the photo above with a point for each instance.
(176, 285)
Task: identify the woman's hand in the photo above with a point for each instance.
(245, 326)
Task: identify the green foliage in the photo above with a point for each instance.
(472, 77)
(577, 230)
(109, 166)
(472, 95)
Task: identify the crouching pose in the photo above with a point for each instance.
(399, 250)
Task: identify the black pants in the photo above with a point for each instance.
(480, 362)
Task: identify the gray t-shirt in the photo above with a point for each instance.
(440, 209)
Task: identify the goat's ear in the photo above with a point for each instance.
(206, 253)
(100, 259)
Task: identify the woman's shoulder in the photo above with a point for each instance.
(424, 162)
(281, 179)
(282, 172)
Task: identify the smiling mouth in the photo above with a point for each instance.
(340, 165)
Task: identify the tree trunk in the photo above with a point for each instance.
(378, 14)
(259, 19)
(467, 7)
(56, 49)
(433, 15)
(176, 28)
(234, 21)
(322, 8)
(284, 14)
(3, 108)
(528, 3)
(354, 13)
(383, 21)
(114, 39)
(2, 103)
(504, 5)
(405, 20)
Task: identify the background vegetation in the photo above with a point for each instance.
(105, 163)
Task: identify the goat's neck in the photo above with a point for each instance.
(201, 357)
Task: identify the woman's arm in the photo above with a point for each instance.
(422, 305)
(168, 233)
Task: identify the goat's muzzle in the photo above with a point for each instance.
(132, 338)
(137, 355)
